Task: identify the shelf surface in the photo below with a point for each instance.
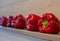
(12, 33)
(6, 35)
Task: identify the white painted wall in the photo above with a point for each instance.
(25, 7)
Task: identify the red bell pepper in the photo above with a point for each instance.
(19, 22)
(15, 19)
(32, 21)
(4, 21)
(9, 21)
(48, 24)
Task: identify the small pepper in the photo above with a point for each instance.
(19, 22)
(4, 21)
(9, 21)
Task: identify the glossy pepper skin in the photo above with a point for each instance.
(9, 21)
(19, 22)
(50, 16)
(48, 24)
(32, 27)
(15, 18)
(32, 21)
(4, 21)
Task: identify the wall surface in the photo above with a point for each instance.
(25, 7)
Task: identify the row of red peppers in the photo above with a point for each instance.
(47, 23)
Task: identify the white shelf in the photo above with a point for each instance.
(53, 37)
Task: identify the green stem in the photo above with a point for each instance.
(45, 23)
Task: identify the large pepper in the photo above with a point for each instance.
(32, 21)
(48, 24)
